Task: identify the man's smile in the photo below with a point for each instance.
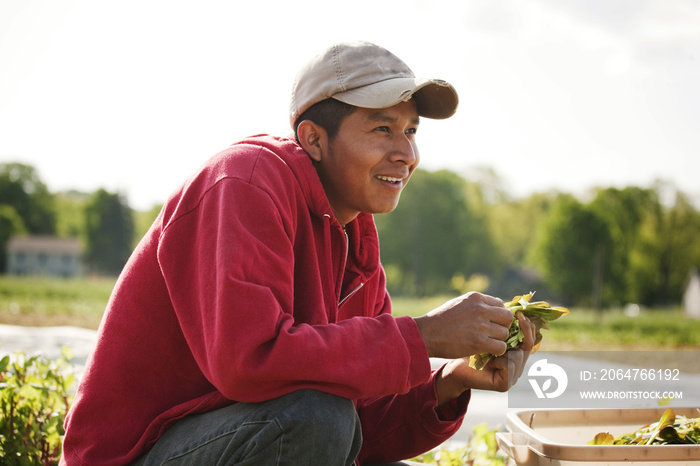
(389, 179)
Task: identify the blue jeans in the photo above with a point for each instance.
(306, 427)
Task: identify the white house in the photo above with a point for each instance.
(691, 297)
(44, 255)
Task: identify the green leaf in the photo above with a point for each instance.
(667, 419)
(4, 362)
(602, 438)
(35, 394)
(539, 314)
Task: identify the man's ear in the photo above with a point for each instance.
(313, 139)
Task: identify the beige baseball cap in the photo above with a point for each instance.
(366, 75)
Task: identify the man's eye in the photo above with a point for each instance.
(412, 131)
(384, 129)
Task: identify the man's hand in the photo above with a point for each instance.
(473, 323)
(498, 375)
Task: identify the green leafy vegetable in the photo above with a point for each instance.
(669, 430)
(539, 313)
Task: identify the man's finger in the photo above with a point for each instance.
(516, 365)
(492, 301)
(520, 357)
(500, 347)
(498, 332)
(501, 316)
(528, 329)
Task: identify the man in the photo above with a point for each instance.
(252, 324)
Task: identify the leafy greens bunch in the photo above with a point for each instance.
(539, 313)
(669, 430)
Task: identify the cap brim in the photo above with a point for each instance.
(434, 98)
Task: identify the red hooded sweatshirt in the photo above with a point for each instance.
(245, 289)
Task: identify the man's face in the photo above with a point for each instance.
(370, 160)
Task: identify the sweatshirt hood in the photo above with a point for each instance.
(299, 162)
(365, 248)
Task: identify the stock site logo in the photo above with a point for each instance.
(547, 372)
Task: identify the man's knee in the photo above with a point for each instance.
(323, 414)
(303, 427)
(323, 422)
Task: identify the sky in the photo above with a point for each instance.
(134, 95)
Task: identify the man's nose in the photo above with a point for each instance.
(405, 150)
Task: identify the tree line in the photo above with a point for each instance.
(449, 234)
(102, 220)
(622, 245)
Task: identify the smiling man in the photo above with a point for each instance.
(252, 324)
(367, 165)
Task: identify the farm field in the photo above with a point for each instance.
(31, 301)
(585, 329)
(43, 302)
(81, 303)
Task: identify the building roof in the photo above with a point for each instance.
(45, 244)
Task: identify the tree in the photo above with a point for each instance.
(667, 251)
(514, 225)
(70, 213)
(432, 236)
(11, 224)
(26, 206)
(625, 211)
(109, 232)
(21, 188)
(682, 251)
(570, 250)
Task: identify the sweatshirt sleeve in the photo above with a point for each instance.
(399, 427)
(228, 261)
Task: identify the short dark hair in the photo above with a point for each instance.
(329, 114)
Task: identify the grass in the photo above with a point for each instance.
(584, 329)
(652, 327)
(35, 301)
(42, 301)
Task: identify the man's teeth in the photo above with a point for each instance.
(388, 178)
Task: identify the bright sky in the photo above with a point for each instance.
(134, 95)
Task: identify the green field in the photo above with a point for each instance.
(584, 329)
(36, 301)
(81, 302)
